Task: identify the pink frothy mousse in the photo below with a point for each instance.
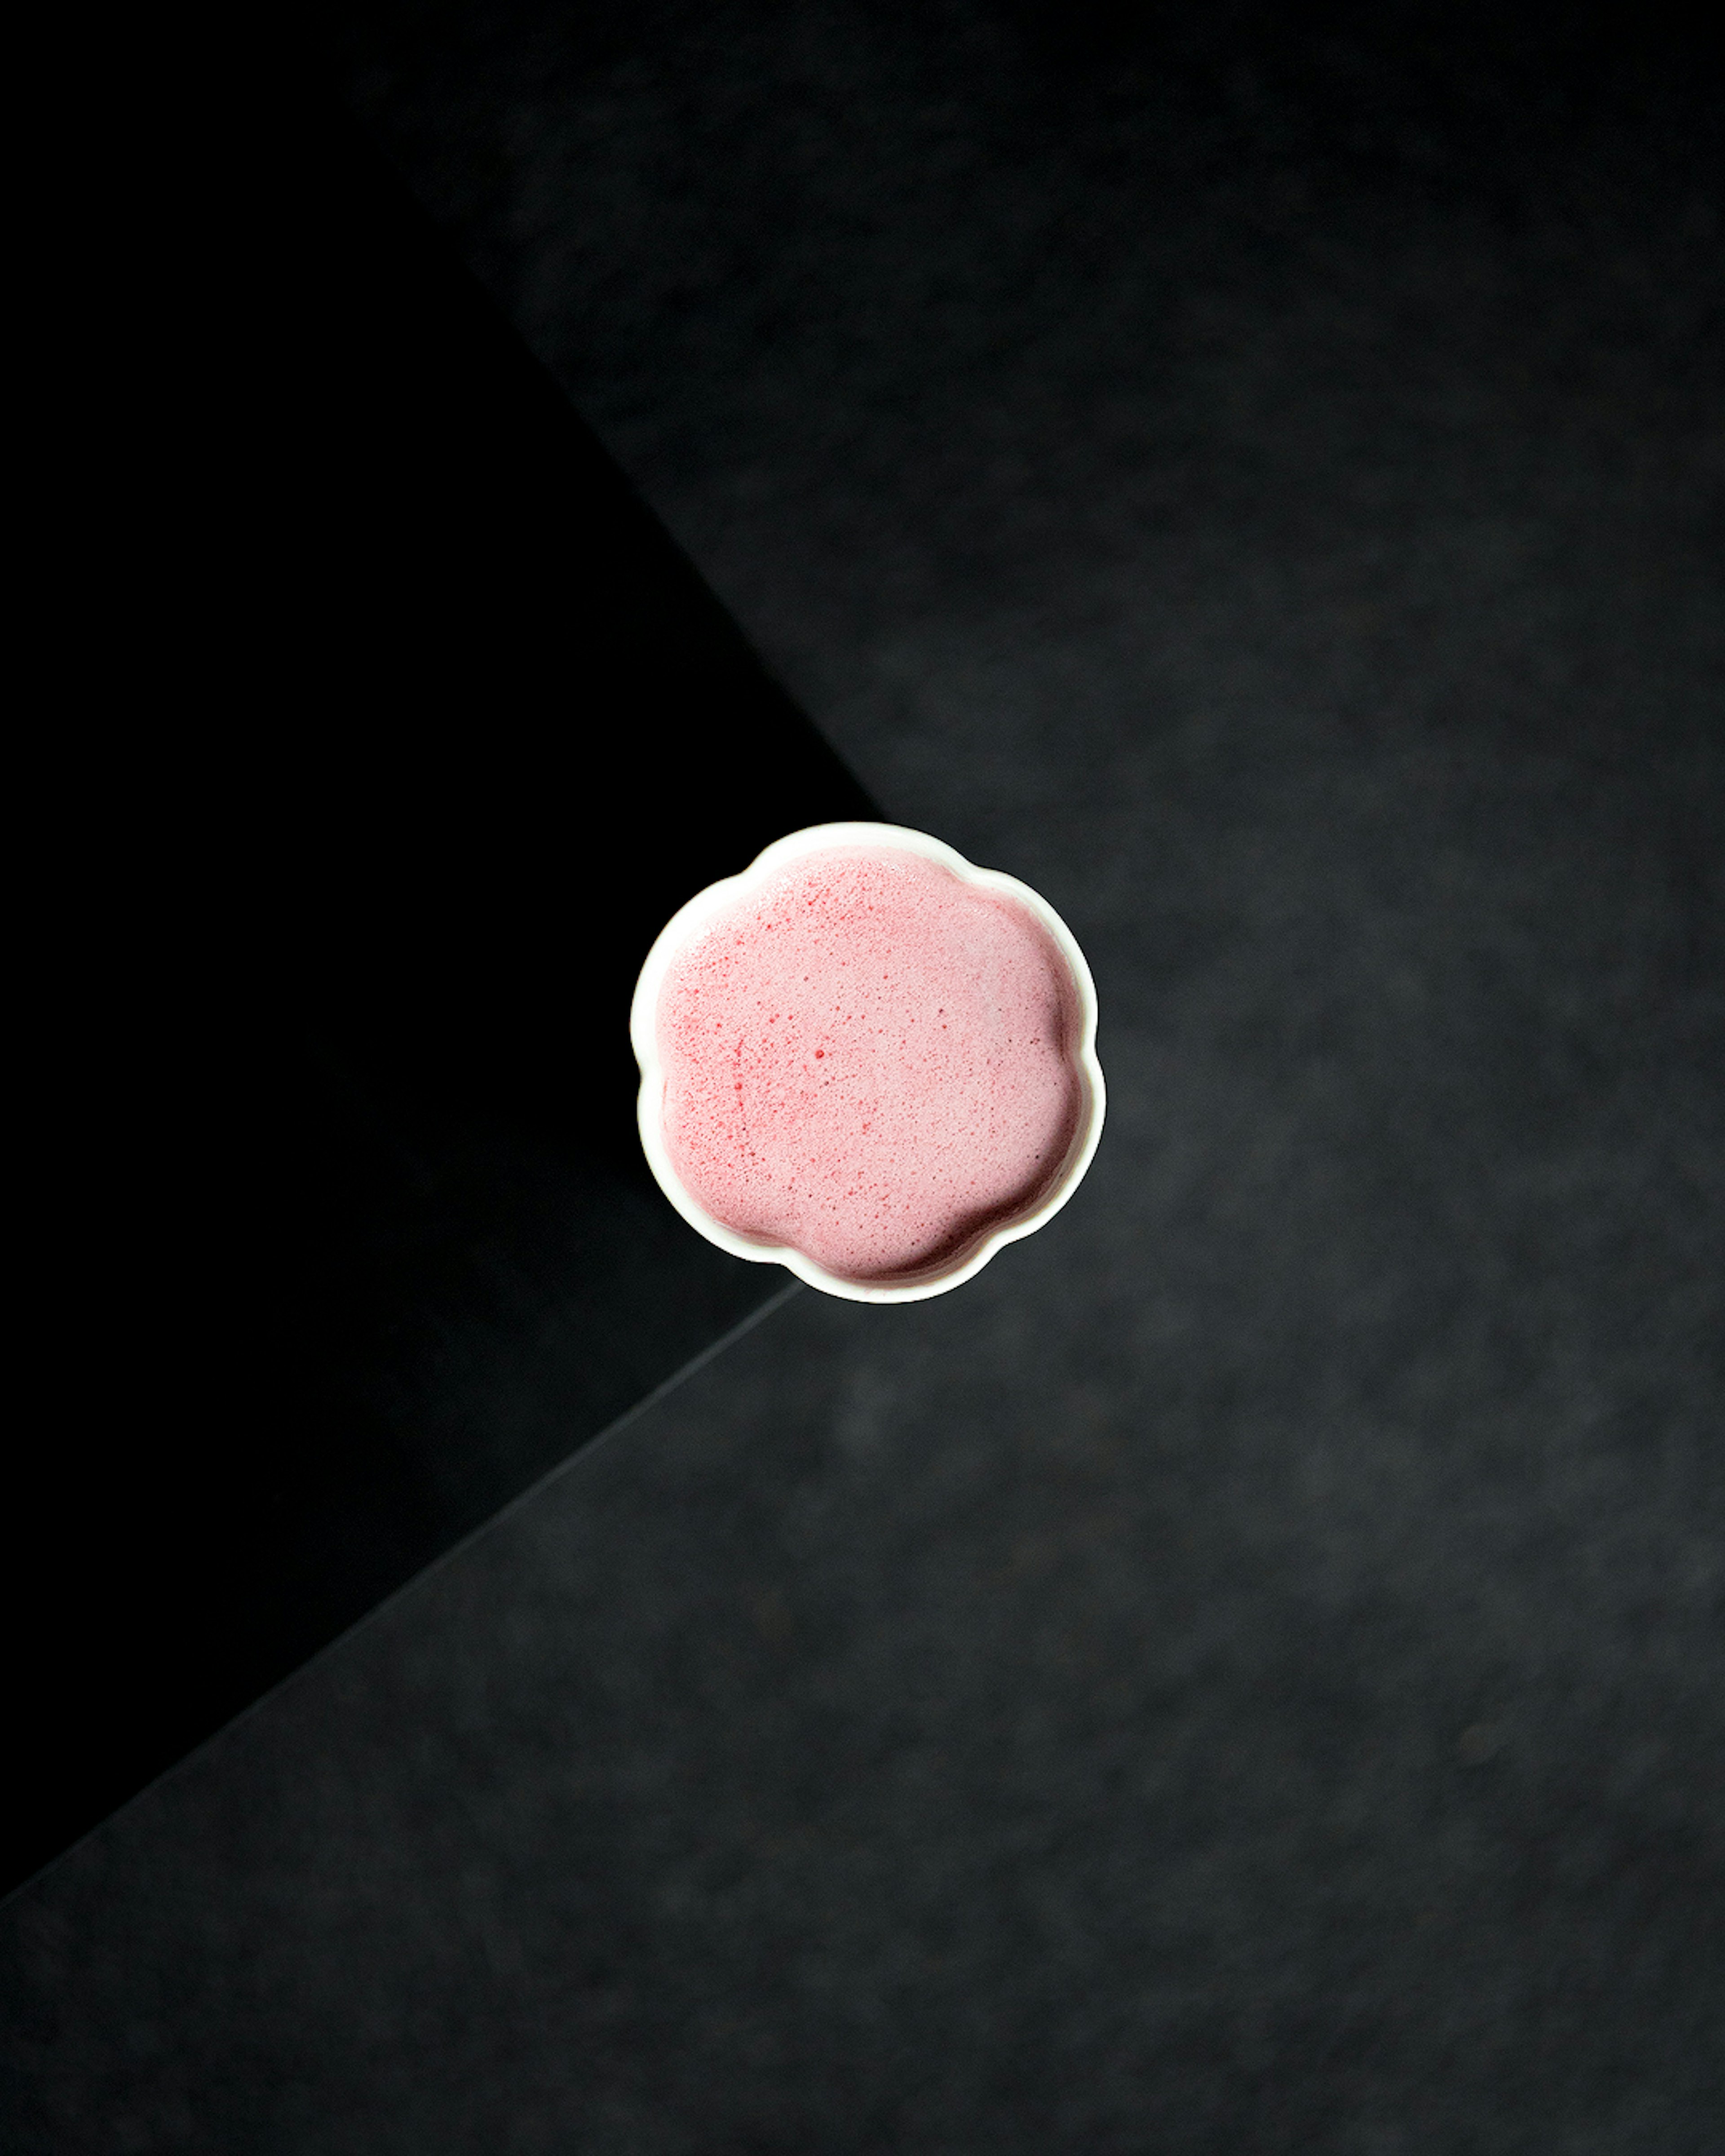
(872, 1061)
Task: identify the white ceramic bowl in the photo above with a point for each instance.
(690, 919)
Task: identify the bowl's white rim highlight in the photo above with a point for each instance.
(689, 919)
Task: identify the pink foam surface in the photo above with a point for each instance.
(869, 1059)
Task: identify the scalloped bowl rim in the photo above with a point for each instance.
(643, 1027)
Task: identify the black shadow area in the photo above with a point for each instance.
(391, 729)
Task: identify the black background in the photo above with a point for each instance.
(428, 728)
(1245, 1673)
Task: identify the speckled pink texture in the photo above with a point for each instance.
(869, 1059)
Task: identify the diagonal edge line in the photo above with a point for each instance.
(521, 1499)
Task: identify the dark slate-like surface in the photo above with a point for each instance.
(1246, 1675)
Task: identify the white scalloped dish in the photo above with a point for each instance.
(851, 1069)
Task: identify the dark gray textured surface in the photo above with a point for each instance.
(1246, 1674)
